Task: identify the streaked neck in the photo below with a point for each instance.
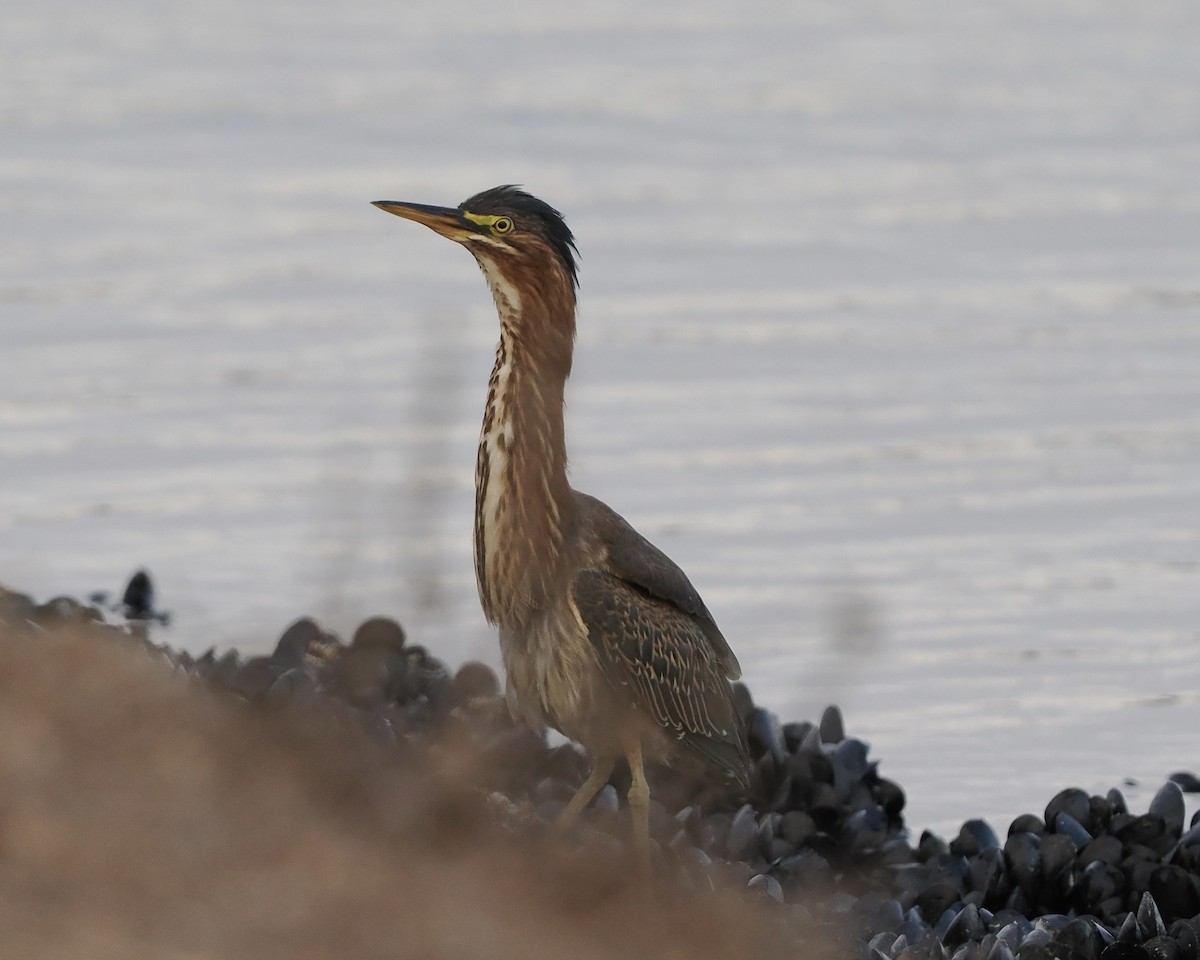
(523, 507)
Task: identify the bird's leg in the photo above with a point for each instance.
(639, 805)
(601, 770)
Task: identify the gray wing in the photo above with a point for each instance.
(635, 560)
(660, 655)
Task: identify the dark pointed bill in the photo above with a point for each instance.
(447, 221)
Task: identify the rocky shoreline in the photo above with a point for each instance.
(823, 841)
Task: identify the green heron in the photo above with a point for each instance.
(603, 637)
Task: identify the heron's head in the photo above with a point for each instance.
(520, 241)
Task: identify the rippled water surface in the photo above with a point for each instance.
(890, 335)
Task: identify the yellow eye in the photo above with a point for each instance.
(502, 225)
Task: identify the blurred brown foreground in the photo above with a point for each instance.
(142, 815)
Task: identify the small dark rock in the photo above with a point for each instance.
(850, 765)
(294, 687)
(1124, 951)
(15, 608)
(1162, 948)
(807, 869)
(1027, 823)
(890, 796)
(58, 612)
(1068, 826)
(1073, 802)
(743, 833)
(973, 837)
(937, 898)
(1175, 891)
(473, 680)
(1187, 934)
(1186, 781)
(1148, 917)
(796, 826)
(292, 648)
(1149, 830)
(1099, 882)
(378, 633)
(1106, 849)
(1057, 852)
(833, 729)
(765, 734)
(137, 602)
(1168, 804)
(1080, 940)
(767, 886)
(967, 926)
(931, 845)
(794, 734)
(1001, 950)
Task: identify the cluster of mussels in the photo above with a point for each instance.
(823, 836)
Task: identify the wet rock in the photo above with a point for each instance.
(850, 766)
(1106, 849)
(294, 687)
(474, 680)
(1099, 882)
(1175, 891)
(807, 870)
(1058, 851)
(767, 886)
(1000, 950)
(59, 612)
(1079, 940)
(378, 633)
(14, 605)
(833, 729)
(931, 846)
(1187, 934)
(291, 650)
(825, 808)
(796, 826)
(743, 834)
(974, 837)
(1073, 802)
(137, 602)
(890, 796)
(1148, 830)
(1186, 781)
(1124, 951)
(1168, 804)
(253, 678)
(936, 898)
(794, 734)
(867, 828)
(1149, 919)
(1027, 823)
(1022, 856)
(606, 800)
(1162, 948)
(967, 926)
(765, 735)
(1068, 826)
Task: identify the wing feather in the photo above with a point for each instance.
(664, 658)
(635, 560)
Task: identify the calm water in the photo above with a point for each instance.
(890, 335)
